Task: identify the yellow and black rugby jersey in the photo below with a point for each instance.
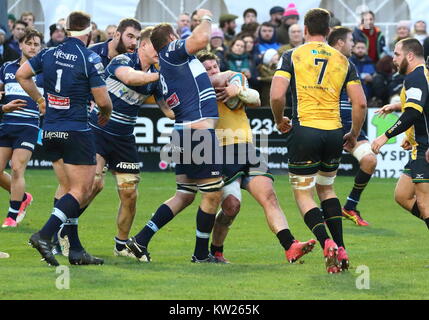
(415, 94)
(317, 74)
(233, 126)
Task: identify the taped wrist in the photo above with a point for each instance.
(248, 96)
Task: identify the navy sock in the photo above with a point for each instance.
(286, 238)
(120, 244)
(205, 223)
(214, 249)
(415, 210)
(13, 209)
(161, 217)
(24, 197)
(67, 207)
(361, 180)
(314, 221)
(334, 220)
(55, 201)
(427, 222)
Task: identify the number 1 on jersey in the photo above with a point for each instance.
(58, 84)
(324, 62)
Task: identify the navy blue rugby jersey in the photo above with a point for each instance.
(70, 72)
(102, 49)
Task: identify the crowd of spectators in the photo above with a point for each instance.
(256, 48)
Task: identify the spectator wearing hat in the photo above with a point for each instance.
(6, 53)
(276, 14)
(228, 25)
(290, 17)
(218, 48)
(266, 72)
(266, 38)
(403, 31)
(57, 33)
(296, 38)
(18, 32)
(10, 22)
(371, 35)
(420, 32)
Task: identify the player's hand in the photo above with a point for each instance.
(204, 12)
(42, 107)
(385, 110)
(350, 141)
(230, 91)
(378, 143)
(406, 145)
(103, 117)
(17, 104)
(285, 125)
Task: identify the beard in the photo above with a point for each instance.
(121, 48)
(402, 68)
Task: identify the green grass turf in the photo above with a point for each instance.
(394, 247)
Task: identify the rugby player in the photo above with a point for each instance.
(248, 170)
(412, 189)
(135, 74)
(341, 38)
(316, 74)
(19, 127)
(187, 90)
(71, 74)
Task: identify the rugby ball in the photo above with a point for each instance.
(239, 80)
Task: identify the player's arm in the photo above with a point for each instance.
(358, 101)
(279, 86)
(388, 108)
(165, 108)
(24, 76)
(102, 99)
(13, 105)
(200, 37)
(131, 77)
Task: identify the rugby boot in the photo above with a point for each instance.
(22, 209)
(140, 252)
(83, 258)
(331, 256)
(343, 258)
(354, 215)
(9, 223)
(45, 249)
(210, 259)
(219, 256)
(298, 249)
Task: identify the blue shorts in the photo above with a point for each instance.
(196, 153)
(417, 170)
(120, 152)
(243, 160)
(362, 134)
(18, 137)
(74, 147)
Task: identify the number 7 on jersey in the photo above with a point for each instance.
(324, 62)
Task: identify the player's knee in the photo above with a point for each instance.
(369, 162)
(98, 184)
(17, 169)
(127, 181)
(128, 196)
(231, 206)
(269, 199)
(185, 199)
(224, 219)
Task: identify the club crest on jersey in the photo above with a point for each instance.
(173, 100)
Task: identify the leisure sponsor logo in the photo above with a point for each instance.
(59, 54)
(55, 135)
(57, 102)
(128, 166)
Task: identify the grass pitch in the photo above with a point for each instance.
(394, 249)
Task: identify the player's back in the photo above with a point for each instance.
(318, 74)
(70, 71)
(186, 86)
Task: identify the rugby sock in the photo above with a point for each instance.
(427, 222)
(333, 218)
(161, 217)
(415, 210)
(55, 201)
(214, 249)
(286, 238)
(120, 244)
(205, 223)
(55, 238)
(71, 231)
(68, 225)
(24, 197)
(13, 209)
(361, 180)
(66, 207)
(314, 221)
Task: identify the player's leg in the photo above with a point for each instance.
(422, 196)
(5, 156)
(405, 193)
(230, 207)
(367, 162)
(420, 178)
(5, 180)
(19, 161)
(262, 189)
(184, 196)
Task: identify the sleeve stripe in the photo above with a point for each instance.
(282, 74)
(354, 82)
(414, 106)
